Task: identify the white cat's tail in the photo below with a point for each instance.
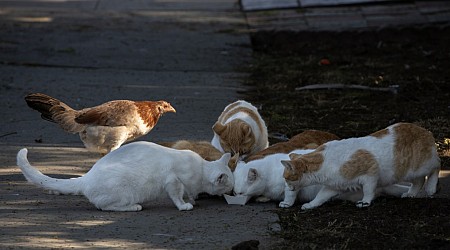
(62, 186)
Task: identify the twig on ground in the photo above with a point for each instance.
(393, 88)
(11, 133)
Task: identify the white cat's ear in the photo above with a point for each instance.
(252, 174)
(222, 179)
(288, 165)
(218, 128)
(225, 158)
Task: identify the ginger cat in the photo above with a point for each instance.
(140, 172)
(240, 130)
(203, 148)
(401, 152)
(309, 139)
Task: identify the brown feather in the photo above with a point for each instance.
(113, 113)
(43, 104)
(54, 110)
(150, 112)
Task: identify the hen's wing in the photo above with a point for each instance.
(113, 114)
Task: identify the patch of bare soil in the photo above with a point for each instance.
(415, 62)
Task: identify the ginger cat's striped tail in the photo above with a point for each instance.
(57, 186)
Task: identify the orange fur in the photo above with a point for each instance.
(227, 114)
(380, 133)
(300, 164)
(361, 162)
(235, 136)
(419, 141)
(203, 148)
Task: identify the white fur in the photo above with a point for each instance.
(139, 172)
(337, 153)
(103, 139)
(264, 177)
(262, 139)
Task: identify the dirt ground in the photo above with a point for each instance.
(412, 60)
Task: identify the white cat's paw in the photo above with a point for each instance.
(185, 207)
(362, 204)
(53, 192)
(284, 204)
(136, 207)
(262, 199)
(307, 206)
(430, 192)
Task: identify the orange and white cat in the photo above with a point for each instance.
(308, 139)
(401, 152)
(240, 130)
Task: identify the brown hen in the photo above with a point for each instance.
(105, 127)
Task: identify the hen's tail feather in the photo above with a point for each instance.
(54, 110)
(43, 104)
(63, 186)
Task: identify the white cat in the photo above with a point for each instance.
(401, 152)
(264, 178)
(240, 130)
(139, 172)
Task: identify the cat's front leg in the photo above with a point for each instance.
(369, 187)
(175, 190)
(431, 185)
(323, 196)
(415, 188)
(289, 198)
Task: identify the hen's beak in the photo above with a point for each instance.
(170, 109)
